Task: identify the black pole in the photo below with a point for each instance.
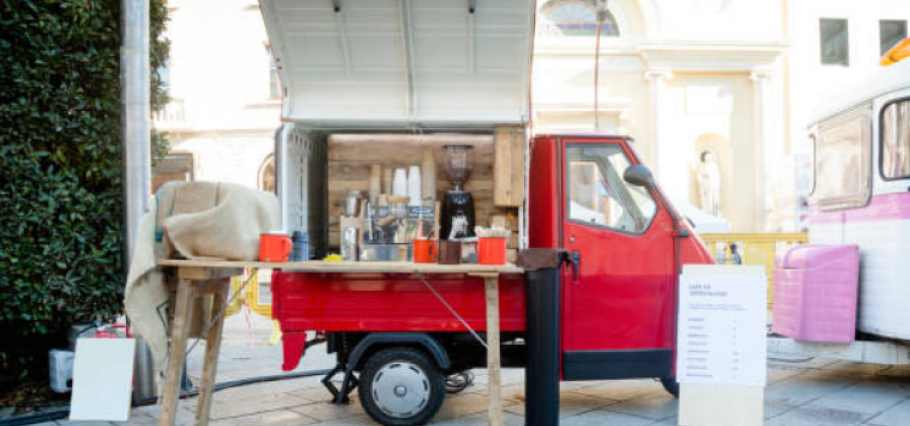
(542, 368)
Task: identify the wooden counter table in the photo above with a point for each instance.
(203, 278)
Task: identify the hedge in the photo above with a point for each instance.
(60, 192)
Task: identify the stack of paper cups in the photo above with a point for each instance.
(414, 186)
(400, 183)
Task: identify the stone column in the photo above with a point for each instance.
(762, 132)
(657, 80)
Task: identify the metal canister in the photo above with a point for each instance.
(349, 243)
(301, 247)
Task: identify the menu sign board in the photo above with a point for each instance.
(721, 330)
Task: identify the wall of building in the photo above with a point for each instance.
(812, 83)
(219, 77)
(682, 77)
(738, 77)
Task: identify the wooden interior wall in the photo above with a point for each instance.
(352, 156)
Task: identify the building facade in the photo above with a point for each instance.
(835, 46)
(716, 93)
(225, 103)
(690, 81)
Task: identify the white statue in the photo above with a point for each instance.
(709, 183)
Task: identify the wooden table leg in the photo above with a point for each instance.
(180, 328)
(491, 284)
(210, 365)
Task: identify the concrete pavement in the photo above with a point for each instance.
(800, 392)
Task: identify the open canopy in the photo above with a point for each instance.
(402, 64)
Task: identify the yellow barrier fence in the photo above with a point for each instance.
(753, 249)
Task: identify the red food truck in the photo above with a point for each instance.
(602, 307)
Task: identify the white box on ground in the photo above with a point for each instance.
(721, 359)
(102, 379)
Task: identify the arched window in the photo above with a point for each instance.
(267, 174)
(574, 18)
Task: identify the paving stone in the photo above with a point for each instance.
(318, 393)
(570, 386)
(667, 422)
(512, 392)
(775, 408)
(269, 388)
(657, 407)
(604, 417)
(362, 420)
(902, 371)
(507, 376)
(464, 405)
(801, 390)
(817, 417)
(897, 415)
(139, 418)
(777, 373)
(570, 404)
(149, 414)
(253, 404)
(866, 397)
(325, 411)
(855, 367)
(508, 419)
(269, 418)
(621, 390)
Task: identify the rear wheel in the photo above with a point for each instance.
(670, 385)
(401, 387)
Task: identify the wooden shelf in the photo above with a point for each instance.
(350, 267)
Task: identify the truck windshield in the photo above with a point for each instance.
(598, 195)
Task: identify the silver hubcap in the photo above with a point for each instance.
(401, 389)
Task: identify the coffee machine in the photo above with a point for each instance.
(457, 219)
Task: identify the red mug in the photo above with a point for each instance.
(274, 247)
(491, 251)
(425, 251)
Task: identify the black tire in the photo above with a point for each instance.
(421, 375)
(670, 385)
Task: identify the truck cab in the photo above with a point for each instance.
(625, 244)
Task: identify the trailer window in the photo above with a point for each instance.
(597, 194)
(842, 161)
(895, 153)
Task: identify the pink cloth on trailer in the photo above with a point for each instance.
(815, 291)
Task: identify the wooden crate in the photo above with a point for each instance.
(508, 176)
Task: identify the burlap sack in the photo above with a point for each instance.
(192, 220)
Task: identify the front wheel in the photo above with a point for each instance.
(670, 385)
(401, 387)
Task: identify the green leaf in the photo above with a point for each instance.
(60, 255)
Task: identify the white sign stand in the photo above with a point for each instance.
(102, 379)
(721, 339)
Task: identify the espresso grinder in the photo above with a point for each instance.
(457, 220)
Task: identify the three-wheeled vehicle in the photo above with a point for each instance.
(400, 68)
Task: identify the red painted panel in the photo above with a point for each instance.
(391, 302)
(624, 297)
(543, 203)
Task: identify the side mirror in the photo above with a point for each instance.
(638, 175)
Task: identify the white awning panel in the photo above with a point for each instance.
(402, 63)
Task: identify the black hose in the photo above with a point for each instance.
(62, 414)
